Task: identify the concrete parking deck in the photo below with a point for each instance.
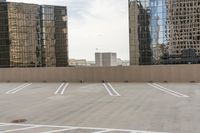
(100, 107)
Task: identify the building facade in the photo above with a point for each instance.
(164, 32)
(98, 59)
(105, 59)
(33, 35)
(79, 62)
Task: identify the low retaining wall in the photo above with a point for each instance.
(161, 73)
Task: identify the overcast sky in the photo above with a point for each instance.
(94, 25)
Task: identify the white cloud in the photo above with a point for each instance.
(101, 24)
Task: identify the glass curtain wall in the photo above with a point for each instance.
(61, 35)
(22, 21)
(32, 35)
(164, 32)
(4, 36)
(48, 36)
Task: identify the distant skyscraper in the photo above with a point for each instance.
(105, 59)
(164, 31)
(98, 59)
(32, 35)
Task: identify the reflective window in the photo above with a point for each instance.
(31, 35)
(164, 32)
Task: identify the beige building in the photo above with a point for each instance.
(105, 59)
(133, 33)
(79, 62)
(121, 62)
(184, 26)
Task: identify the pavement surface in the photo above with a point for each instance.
(99, 107)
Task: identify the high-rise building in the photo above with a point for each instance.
(164, 31)
(184, 29)
(140, 51)
(33, 35)
(105, 59)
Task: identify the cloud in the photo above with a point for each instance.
(105, 28)
(78, 8)
(101, 24)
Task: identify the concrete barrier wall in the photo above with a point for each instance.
(161, 73)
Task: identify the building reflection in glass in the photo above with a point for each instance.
(33, 35)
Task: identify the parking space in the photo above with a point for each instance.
(190, 89)
(100, 107)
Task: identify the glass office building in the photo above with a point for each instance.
(164, 32)
(32, 35)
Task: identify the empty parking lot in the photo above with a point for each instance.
(100, 107)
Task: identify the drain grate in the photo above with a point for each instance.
(19, 121)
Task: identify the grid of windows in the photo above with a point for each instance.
(164, 31)
(4, 36)
(28, 35)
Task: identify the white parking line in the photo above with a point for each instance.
(3, 125)
(108, 130)
(61, 89)
(183, 95)
(166, 90)
(107, 89)
(19, 129)
(16, 88)
(30, 125)
(110, 89)
(64, 88)
(59, 130)
(72, 128)
(19, 88)
(114, 90)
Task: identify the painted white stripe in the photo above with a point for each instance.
(109, 130)
(178, 93)
(56, 92)
(64, 88)
(60, 130)
(15, 124)
(163, 90)
(19, 129)
(107, 89)
(114, 90)
(4, 125)
(144, 132)
(20, 88)
(16, 88)
(90, 128)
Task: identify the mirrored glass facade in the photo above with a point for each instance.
(32, 35)
(164, 32)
